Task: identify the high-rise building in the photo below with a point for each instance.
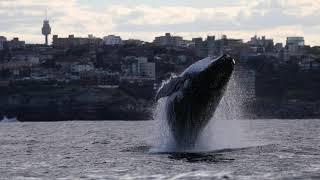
(295, 46)
(296, 41)
(204, 48)
(46, 29)
(140, 68)
(169, 40)
(263, 44)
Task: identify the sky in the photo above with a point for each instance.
(145, 19)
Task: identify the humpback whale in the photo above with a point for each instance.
(193, 96)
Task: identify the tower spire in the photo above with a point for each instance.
(46, 29)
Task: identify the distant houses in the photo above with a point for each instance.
(71, 41)
(112, 40)
(113, 60)
(138, 68)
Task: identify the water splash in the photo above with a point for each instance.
(225, 129)
(8, 120)
(164, 140)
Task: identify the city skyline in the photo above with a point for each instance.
(145, 19)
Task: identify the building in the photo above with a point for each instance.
(213, 47)
(200, 48)
(135, 42)
(3, 40)
(205, 48)
(295, 41)
(295, 46)
(17, 68)
(230, 46)
(266, 44)
(94, 41)
(169, 40)
(188, 44)
(139, 69)
(112, 40)
(15, 43)
(82, 67)
(145, 68)
(32, 58)
(309, 62)
(71, 41)
(46, 30)
(278, 47)
(211, 43)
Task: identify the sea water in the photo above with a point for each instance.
(121, 150)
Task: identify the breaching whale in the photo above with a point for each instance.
(193, 96)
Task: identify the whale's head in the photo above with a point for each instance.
(205, 76)
(210, 74)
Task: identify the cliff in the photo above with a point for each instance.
(71, 102)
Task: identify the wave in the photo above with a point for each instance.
(9, 120)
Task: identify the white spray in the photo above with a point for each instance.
(225, 130)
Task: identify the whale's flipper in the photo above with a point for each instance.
(169, 88)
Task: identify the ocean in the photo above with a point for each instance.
(240, 149)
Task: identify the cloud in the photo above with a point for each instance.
(24, 18)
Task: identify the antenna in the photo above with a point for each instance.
(46, 13)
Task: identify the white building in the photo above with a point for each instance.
(2, 41)
(112, 40)
(145, 68)
(142, 69)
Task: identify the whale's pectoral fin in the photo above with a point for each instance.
(168, 89)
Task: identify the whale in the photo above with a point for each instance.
(193, 96)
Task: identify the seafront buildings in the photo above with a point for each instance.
(112, 60)
(295, 48)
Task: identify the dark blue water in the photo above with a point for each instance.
(268, 149)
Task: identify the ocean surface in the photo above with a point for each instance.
(265, 149)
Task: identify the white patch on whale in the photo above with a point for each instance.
(199, 66)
